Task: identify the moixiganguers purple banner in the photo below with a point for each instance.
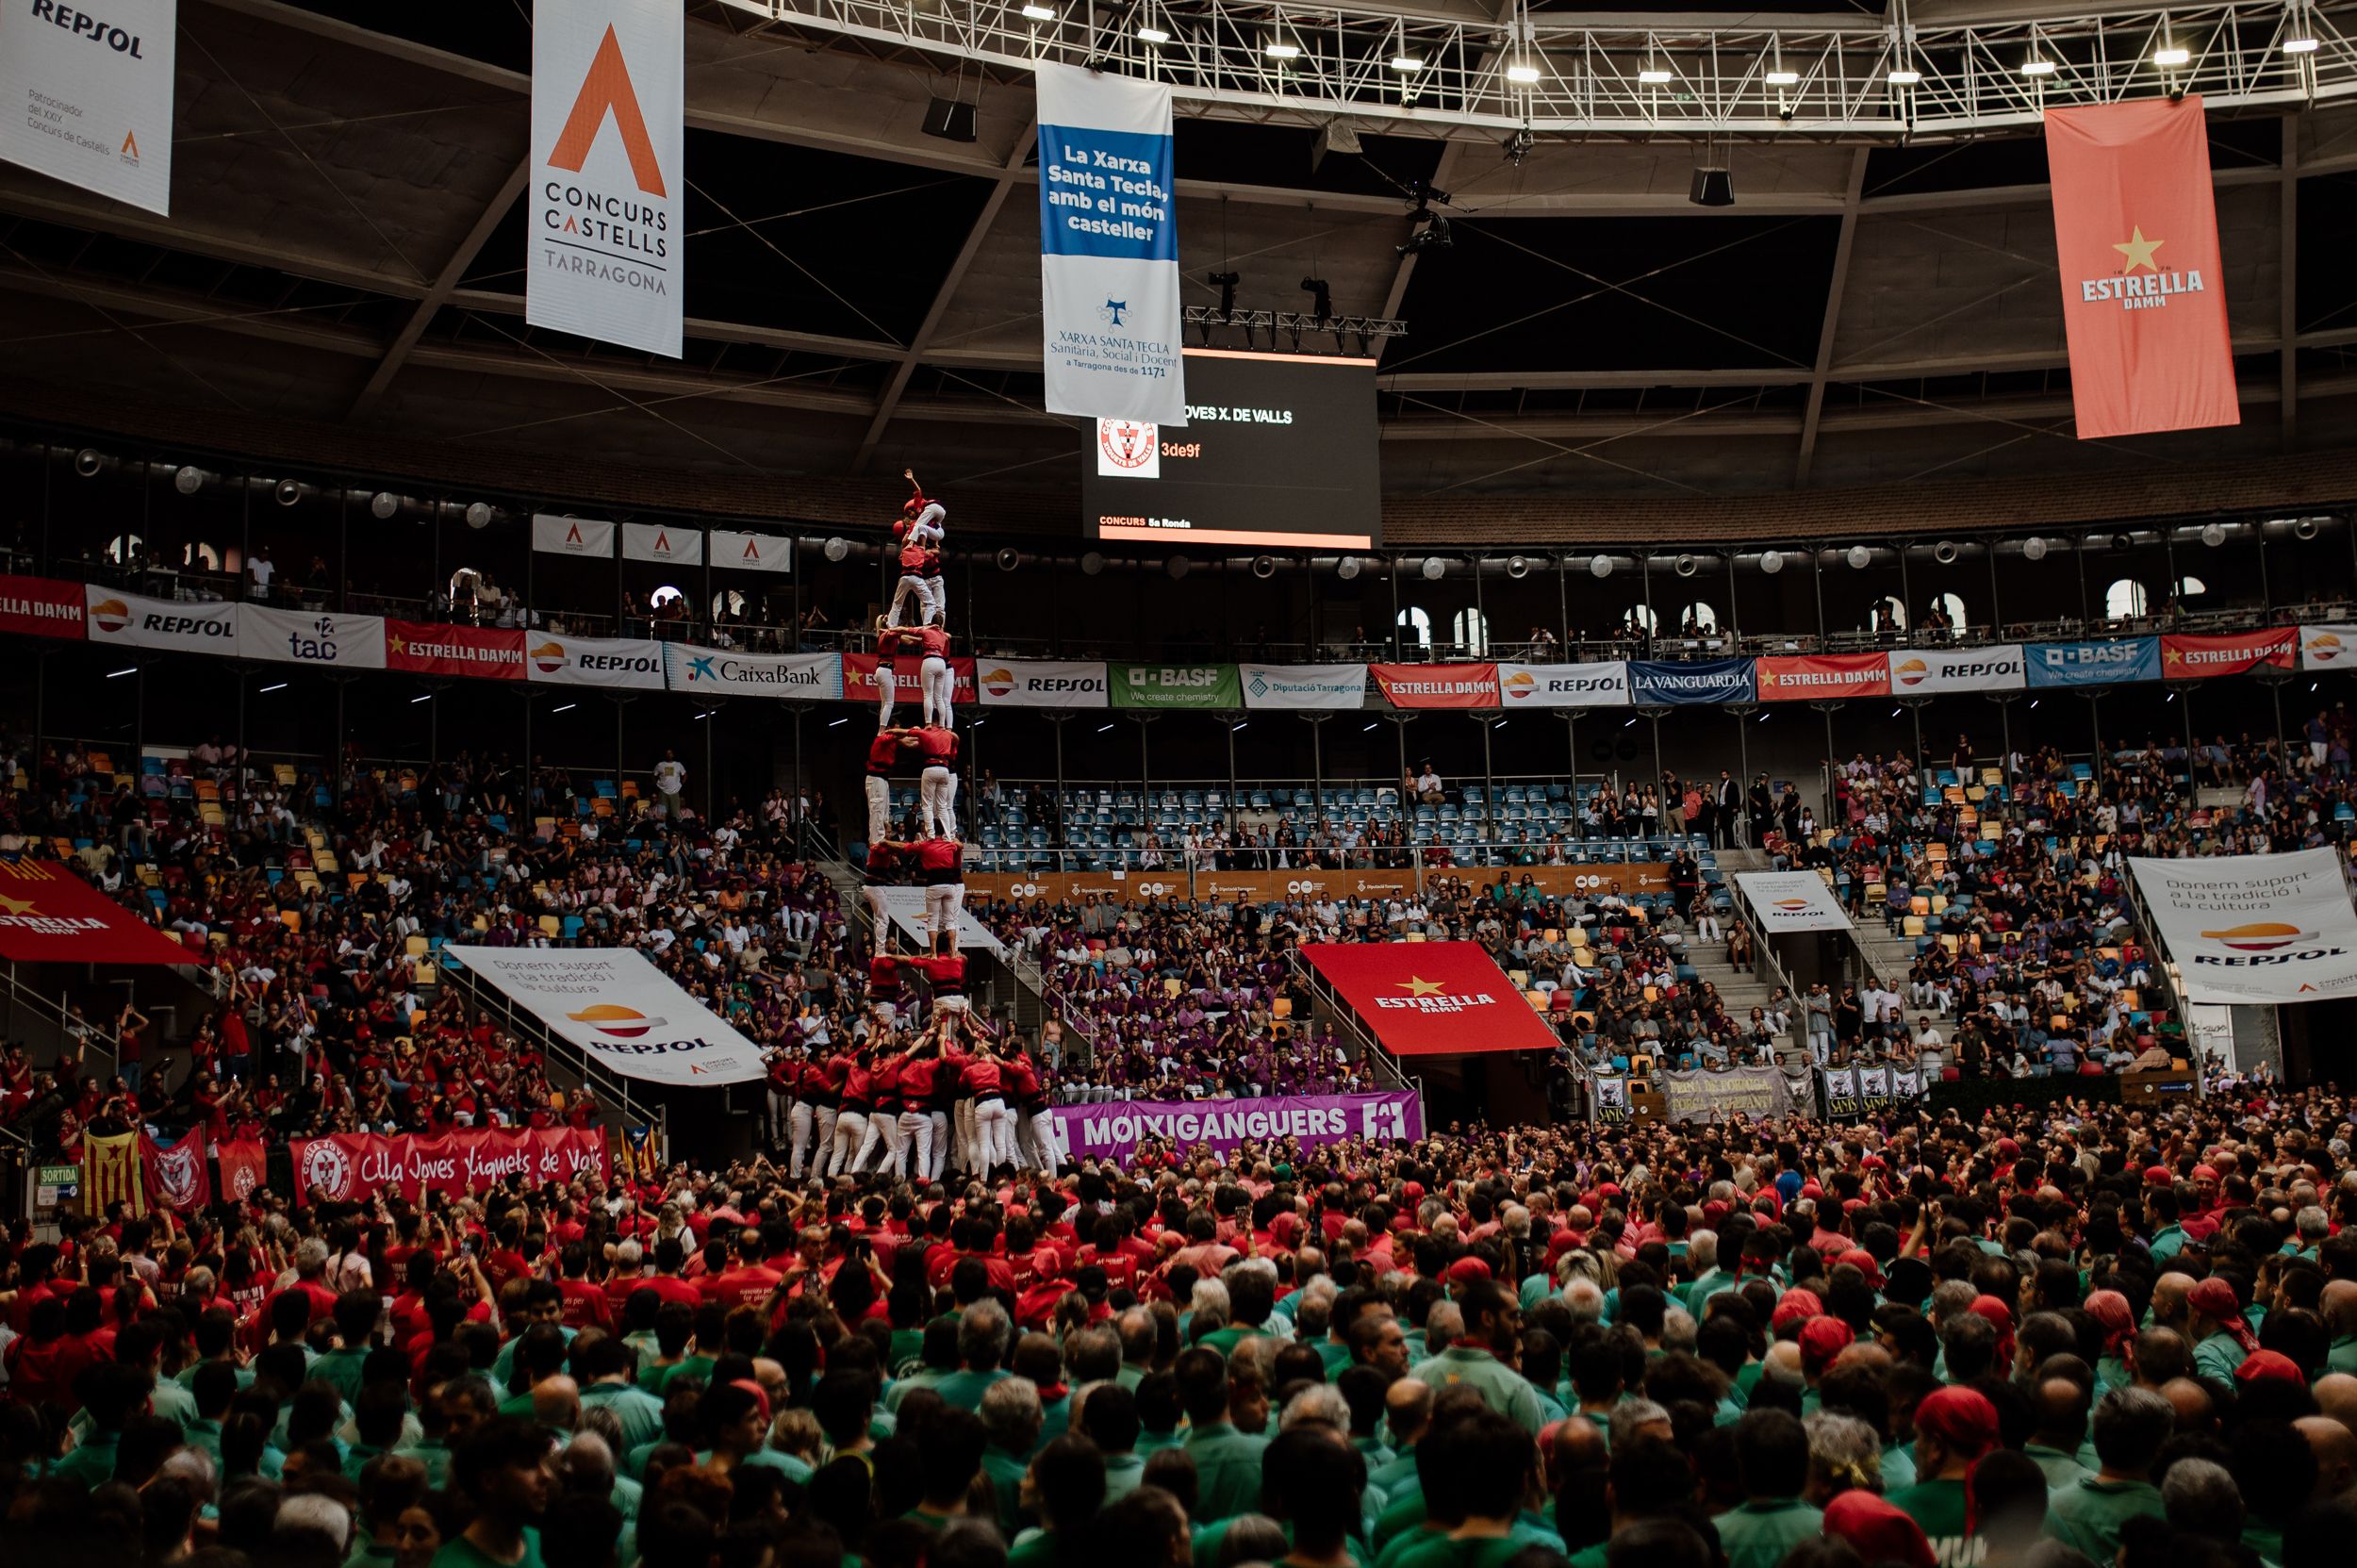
(1114, 1130)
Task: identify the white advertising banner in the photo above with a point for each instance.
(2255, 928)
(622, 1010)
(1792, 901)
(905, 907)
(1108, 247)
(603, 253)
(2333, 647)
(724, 672)
(751, 552)
(135, 621)
(1041, 682)
(662, 541)
(1925, 671)
(86, 95)
(311, 637)
(1603, 685)
(1303, 687)
(594, 662)
(561, 535)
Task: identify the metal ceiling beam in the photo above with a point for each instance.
(1837, 283)
(2287, 289)
(976, 235)
(494, 213)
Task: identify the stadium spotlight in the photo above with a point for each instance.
(1686, 565)
(1008, 557)
(88, 461)
(1264, 566)
(2171, 54)
(288, 491)
(837, 547)
(1518, 566)
(187, 481)
(2214, 534)
(479, 514)
(1348, 567)
(2037, 65)
(1434, 569)
(1600, 567)
(1771, 561)
(2034, 549)
(383, 506)
(1090, 564)
(2306, 528)
(1859, 557)
(1945, 553)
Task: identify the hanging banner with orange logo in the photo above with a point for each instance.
(2144, 292)
(86, 95)
(619, 1010)
(603, 254)
(2255, 928)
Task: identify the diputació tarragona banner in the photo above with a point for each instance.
(344, 1165)
(1114, 1130)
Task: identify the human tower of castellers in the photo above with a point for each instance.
(907, 1100)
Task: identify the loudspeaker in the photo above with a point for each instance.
(1712, 188)
(950, 120)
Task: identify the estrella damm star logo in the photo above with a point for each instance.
(2138, 250)
(1416, 985)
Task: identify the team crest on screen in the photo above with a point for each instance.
(1128, 449)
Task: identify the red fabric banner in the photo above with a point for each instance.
(245, 1168)
(2144, 290)
(1795, 677)
(345, 1164)
(1430, 999)
(50, 915)
(177, 1177)
(485, 653)
(37, 607)
(1437, 686)
(2189, 657)
(859, 681)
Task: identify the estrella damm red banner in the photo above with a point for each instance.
(1793, 678)
(1431, 999)
(2189, 657)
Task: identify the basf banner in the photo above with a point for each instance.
(311, 637)
(1304, 687)
(2327, 647)
(1928, 671)
(1800, 676)
(1601, 685)
(2144, 291)
(603, 253)
(2255, 928)
(1041, 682)
(1693, 683)
(1792, 901)
(1108, 247)
(720, 673)
(345, 1166)
(86, 95)
(751, 552)
(1437, 686)
(50, 915)
(1174, 687)
(1425, 998)
(2093, 664)
(561, 536)
(37, 607)
(620, 1009)
(426, 647)
(1115, 1129)
(191, 626)
(593, 662)
(2190, 655)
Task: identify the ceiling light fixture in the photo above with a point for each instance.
(1406, 63)
(1522, 75)
(1781, 78)
(2170, 54)
(1653, 75)
(1278, 50)
(1902, 75)
(1153, 35)
(1039, 14)
(2300, 43)
(2037, 65)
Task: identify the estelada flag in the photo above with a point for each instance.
(111, 1172)
(2144, 291)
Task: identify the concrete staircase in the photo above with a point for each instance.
(1742, 989)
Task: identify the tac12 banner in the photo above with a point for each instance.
(2144, 291)
(1108, 247)
(344, 1165)
(1115, 1129)
(86, 95)
(2255, 928)
(602, 256)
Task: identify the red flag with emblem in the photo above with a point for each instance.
(177, 1177)
(2144, 291)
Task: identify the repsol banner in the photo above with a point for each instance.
(2255, 928)
(86, 95)
(620, 1009)
(1041, 682)
(135, 621)
(1114, 1131)
(594, 662)
(347, 1165)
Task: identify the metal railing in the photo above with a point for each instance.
(54, 1012)
(1370, 1049)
